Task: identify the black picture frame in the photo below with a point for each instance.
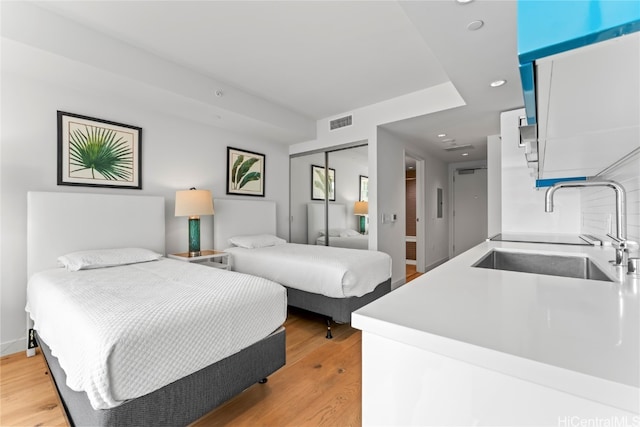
(318, 183)
(80, 164)
(245, 172)
(363, 192)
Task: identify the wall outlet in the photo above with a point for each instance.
(31, 339)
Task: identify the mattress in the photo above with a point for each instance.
(122, 332)
(329, 271)
(355, 242)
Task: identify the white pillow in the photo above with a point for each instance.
(99, 258)
(256, 241)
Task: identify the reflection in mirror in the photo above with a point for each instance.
(301, 184)
(343, 220)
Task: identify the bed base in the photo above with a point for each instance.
(336, 309)
(182, 401)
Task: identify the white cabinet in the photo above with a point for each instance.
(410, 386)
(580, 68)
(587, 120)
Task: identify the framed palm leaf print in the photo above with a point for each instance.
(98, 153)
(320, 184)
(245, 172)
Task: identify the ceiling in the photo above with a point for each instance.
(320, 59)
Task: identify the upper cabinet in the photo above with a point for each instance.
(580, 70)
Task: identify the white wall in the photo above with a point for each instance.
(494, 185)
(437, 229)
(522, 202)
(391, 200)
(177, 154)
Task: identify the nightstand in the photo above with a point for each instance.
(216, 259)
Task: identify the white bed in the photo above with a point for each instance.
(332, 272)
(150, 343)
(326, 280)
(341, 232)
(122, 332)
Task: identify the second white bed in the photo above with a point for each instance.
(329, 271)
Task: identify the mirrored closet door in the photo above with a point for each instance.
(329, 197)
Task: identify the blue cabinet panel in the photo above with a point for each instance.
(549, 27)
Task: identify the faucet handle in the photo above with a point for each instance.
(618, 243)
(622, 251)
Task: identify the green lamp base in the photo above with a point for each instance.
(194, 236)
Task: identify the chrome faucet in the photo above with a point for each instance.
(620, 239)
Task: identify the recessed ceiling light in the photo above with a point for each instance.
(442, 135)
(497, 83)
(475, 25)
(465, 154)
(464, 1)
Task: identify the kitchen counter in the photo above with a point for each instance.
(575, 336)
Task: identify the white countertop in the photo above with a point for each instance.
(575, 335)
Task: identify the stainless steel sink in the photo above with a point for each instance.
(552, 265)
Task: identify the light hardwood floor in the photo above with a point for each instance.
(320, 385)
(412, 273)
(27, 395)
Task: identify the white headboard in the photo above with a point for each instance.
(59, 223)
(242, 217)
(315, 219)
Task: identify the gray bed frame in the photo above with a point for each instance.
(335, 309)
(59, 223)
(182, 401)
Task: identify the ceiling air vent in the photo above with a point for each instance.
(341, 122)
(458, 147)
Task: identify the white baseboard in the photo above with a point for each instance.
(398, 283)
(14, 346)
(435, 264)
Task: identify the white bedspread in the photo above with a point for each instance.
(329, 271)
(123, 332)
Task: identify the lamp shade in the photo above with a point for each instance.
(361, 208)
(194, 203)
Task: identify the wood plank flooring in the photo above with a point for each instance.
(321, 384)
(27, 393)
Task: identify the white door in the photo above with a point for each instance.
(469, 209)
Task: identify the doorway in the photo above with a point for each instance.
(414, 209)
(469, 208)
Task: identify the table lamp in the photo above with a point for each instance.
(361, 209)
(194, 203)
